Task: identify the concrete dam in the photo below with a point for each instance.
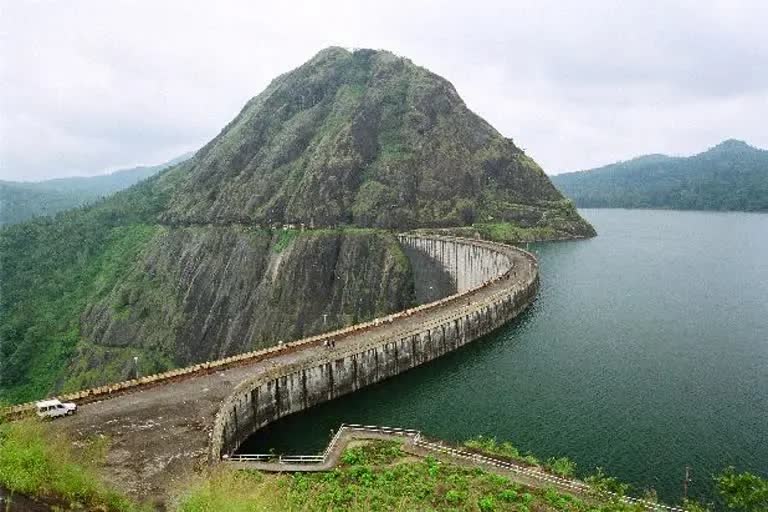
(471, 265)
(163, 427)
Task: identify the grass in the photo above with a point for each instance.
(378, 476)
(35, 462)
(374, 476)
(284, 237)
(504, 450)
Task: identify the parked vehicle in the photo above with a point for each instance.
(54, 408)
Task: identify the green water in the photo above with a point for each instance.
(646, 351)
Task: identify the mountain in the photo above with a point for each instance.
(363, 138)
(22, 200)
(208, 258)
(730, 176)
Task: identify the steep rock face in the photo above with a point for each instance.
(202, 292)
(364, 138)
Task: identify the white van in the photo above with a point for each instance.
(54, 408)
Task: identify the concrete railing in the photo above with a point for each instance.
(462, 318)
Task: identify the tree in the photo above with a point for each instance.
(743, 491)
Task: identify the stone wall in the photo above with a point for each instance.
(495, 284)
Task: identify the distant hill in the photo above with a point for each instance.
(730, 176)
(22, 200)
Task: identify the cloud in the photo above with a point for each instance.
(87, 86)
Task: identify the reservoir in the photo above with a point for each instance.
(645, 352)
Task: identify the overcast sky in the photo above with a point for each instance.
(89, 86)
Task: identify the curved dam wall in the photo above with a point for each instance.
(495, 283)
(468, 264)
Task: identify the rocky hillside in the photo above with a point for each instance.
(202, 293)
(730, 176)
(194, 263)
(369, 139)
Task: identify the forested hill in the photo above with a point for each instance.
(730, 176)
(22, 200)
(200, 261)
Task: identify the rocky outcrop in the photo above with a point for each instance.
(364, 138)
(204, 292)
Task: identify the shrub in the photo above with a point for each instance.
(743, 491)
(562, 466)
(486, 504)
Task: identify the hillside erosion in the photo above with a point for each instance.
(178, 421)
(203, 292)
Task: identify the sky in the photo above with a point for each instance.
(92, 86)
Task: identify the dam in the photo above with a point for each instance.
(162, 427)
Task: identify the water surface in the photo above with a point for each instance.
(646, 351)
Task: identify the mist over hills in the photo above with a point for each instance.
(730, 176)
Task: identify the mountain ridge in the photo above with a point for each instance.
(731, 175)
(23, 200)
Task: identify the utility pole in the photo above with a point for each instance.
(686, 481)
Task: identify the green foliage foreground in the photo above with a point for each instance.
(371, 476)
(34, 462)
(380, 476)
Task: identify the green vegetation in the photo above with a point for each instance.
(284, 239)
(377, 475)
(559, 220)
(52, 269)
(743, 491)
(380, 476)
(560, 466)
(20, 201)
(730, 176)
(37, 463)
